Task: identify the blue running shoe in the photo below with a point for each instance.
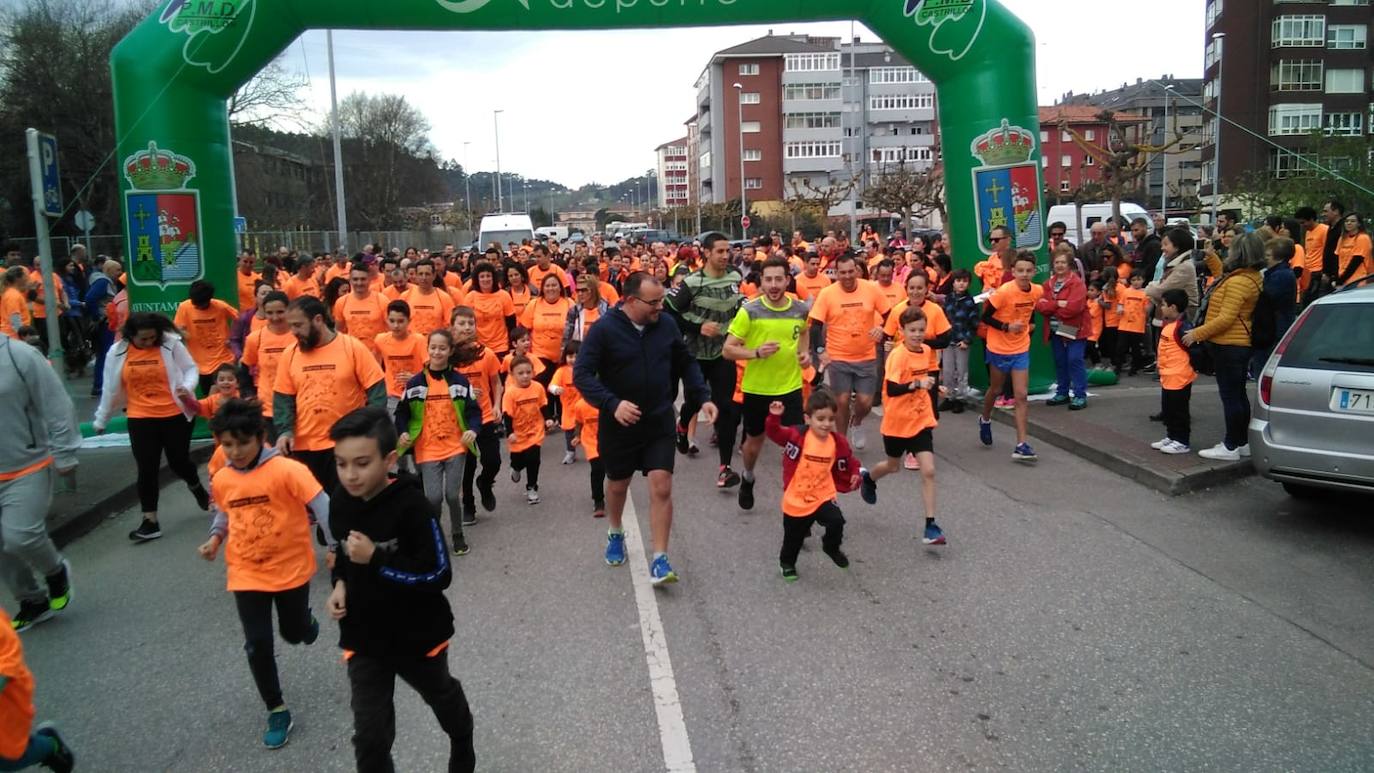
(1023, 453)
(615, 549)
(278, 729)
(660, 573)
(985, 430)
(934, 535)
(868, 489)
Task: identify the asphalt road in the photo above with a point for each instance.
(1076, 621)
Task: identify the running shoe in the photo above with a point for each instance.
(313, 633)
(488, 498)
(868, 489)
(985, 431)
(147, 530)
(857, 438)
(841, 560)
(910, 462)
(460, 545)
(1173, 448)
(515, 474)
(569, 457)
(202, 497)
(1244, 451)
(598, 509)
(746, 494)
(532, 496)
(1058, 400)
(1220, 453)
(934, 535)
(693, 451)
(615, 549)
(1023, 453)
(683, 441)
(1004, 403)
(469, 517)
(31, 613)
(727, 478)
(278, 729)
(60, 587)
(660, 573)
(789, 572)
(61, 759)
(1158, 444)
(1078, 403)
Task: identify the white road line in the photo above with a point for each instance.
(672, 728)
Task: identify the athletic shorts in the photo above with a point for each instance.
(858, 377)
(1008, 362)
(895, 447)
(756, 411)
(643, 447)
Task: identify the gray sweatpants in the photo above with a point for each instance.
(25, 547)
(443, 480)
(955, 367)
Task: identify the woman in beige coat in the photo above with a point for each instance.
(1179, 271)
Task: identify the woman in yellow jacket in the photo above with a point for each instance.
(1226, 330)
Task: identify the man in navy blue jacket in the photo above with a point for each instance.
(628, 368)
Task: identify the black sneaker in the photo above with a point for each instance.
(60, 587)
(838, 556)
(789, 572)
(460, 545)
(868, 489)
(488, 498)
(746, 494)
(148, 530)
(202, 497)
(693, 451)
(683, 442)
(61, 759)
(957, 407)
(469, 517)
(946, 405)
(31, 613)
(727, 478)
(313, 633)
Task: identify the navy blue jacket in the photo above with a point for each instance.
(617, 362)
(1281, 285)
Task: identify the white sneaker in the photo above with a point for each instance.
(532, 497)
(857, 438)
(1158, 445)
(569, 457)
(1244, 451)
(1220, 453)
(1174, 447)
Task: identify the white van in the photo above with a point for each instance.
(1092, 213)
(504, 229)
(558, 233)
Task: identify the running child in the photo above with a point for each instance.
(21, 744)
(1007, 315)
(263, 506)
(585, 418)
(225, 388)
(1176, 374)
(482, 368)
(401, 353)
(520, 343)
(561, 386)
(909, 420)
(389, 601)
(817, 465)
(438, 420)
(523, 405)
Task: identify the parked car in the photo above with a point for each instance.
(1313, 425)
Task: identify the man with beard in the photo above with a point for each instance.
(323, 376)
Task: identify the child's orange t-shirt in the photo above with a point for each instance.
(401, 359)
(16, 700)
(907, 415)
(269, 547)
(213, 401)
(441, 432)
(525, 406)
(1112, 308)
(1094, 320)
(937, 324)
(585, 418)
(563, 379)
(1133, 303)
(1175, 369)
(812, 484)
(1013, 305)
(535, 363)
(482, 375)
(263, 350)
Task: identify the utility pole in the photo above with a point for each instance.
(496, 121)
(340, 213)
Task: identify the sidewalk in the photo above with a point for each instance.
(1115, 432)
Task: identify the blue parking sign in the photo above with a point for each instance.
(47, 164)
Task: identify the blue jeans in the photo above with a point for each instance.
(1069, 369)
(1231, 363)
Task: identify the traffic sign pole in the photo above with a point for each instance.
(47, 201)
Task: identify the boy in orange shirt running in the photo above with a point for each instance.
(483, 371)
(561, 386)
(1007, 315)
(585, 418)
(1176, 375)
(401, 353)
(523, 404)
(263, 505)
(21, 748)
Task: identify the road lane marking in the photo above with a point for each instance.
(672, 728)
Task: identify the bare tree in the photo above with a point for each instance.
(1124, 160)
(806, 193)
(912, 192)
(271, 97)
(388, 157)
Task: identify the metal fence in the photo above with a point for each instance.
(110, 245)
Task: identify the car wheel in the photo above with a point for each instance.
(1299, 491)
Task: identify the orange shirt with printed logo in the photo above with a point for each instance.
(848, 317)
(295, 287)
(1133, 303)
(907, 415)
(535, 363)
(1013, 305)
(269, 547)
(401, 358)
(537, 275)
(207, 333)
(428, 312)
(521, 298)
(812, 484)
(440, 435)
(491, 310)
(545, 321)
(937, 324)
(362, 318)
(246, 285)
(483, 374)
(335, 271)
(808, 286)
(148, 394)
(327, 382)
(262, 350)
(525, 406)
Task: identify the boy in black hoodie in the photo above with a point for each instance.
(390, 571)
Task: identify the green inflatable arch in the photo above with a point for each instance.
(175, 72)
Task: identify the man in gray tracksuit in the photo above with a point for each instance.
(38, 437)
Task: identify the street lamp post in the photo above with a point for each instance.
(1164, 158)
(1219, 38)
(496, 121)
(743, 201)
(467, 186)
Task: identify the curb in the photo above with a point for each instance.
(84, 521)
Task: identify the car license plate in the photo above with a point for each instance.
(1352, 400)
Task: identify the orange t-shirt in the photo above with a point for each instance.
(256, 323)
(520, 298)
(1094, 320)
(401, 358)
(1347, 249)
(262, 349)
(535, 363)
(207, 333)
(335, 271)
(563, 379)
(441, 437)
(1133, 304)
(937, 324)
(990, 271)
(483, 374)
(848, 317)
(608, 293)
(1299, 263)
(1112, 307)
(812, 484)
(545, 322)
(269, 547)
(246, 284)
(589, 318)
(295, 287)
(457, 294)
(1315, 243)
(392, 294)
(907, 415)
(537, 275)
(327, 382)
(525, 406)
(16, 700)
(491, 310)
(13, 302)
(40, 307)
(894, 293)
(428, 313)
(1013, 305)
(808, 286)
(749, 290)
(585, 418)
(1175, 369)
(362, 318)
(146, 388)
(213, 401)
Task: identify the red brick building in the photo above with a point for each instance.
(1067, 165)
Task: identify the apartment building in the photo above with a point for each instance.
(673, 179)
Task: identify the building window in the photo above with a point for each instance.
(1347, 36)
(1066, 161)
(1064, 136)
(750, 127)
(1350, 2)
(1290, 118)
(1210, 54)
(811, 62)
(753, 155)
(899, 155)
(753, 183)
(813, 121)
(1090, 135)
(1213, 11)
(705, 162)
(1296, 75)
(1044, 136)
(811, 91)
(1089, 161)
(1063, 186)
(1342, 80)
(749, 69)
(1346, 124)
(1286, 163)
(1298, 31)
(901, 101)
(828, 149)
(1044, 162)
(880, 75)
(749, 97)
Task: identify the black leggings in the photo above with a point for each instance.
(720, 376)
(795, 530)
(489, 449)
(150, 439)
(373, 682)
(321, 465)
(598, 481)
(294, 620)
(528, 460)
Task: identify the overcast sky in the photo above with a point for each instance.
(586, 107)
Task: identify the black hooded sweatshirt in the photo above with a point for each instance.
(395, 602)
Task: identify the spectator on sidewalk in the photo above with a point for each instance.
(1277, 305)
(1064, 305)
(1180, 273)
